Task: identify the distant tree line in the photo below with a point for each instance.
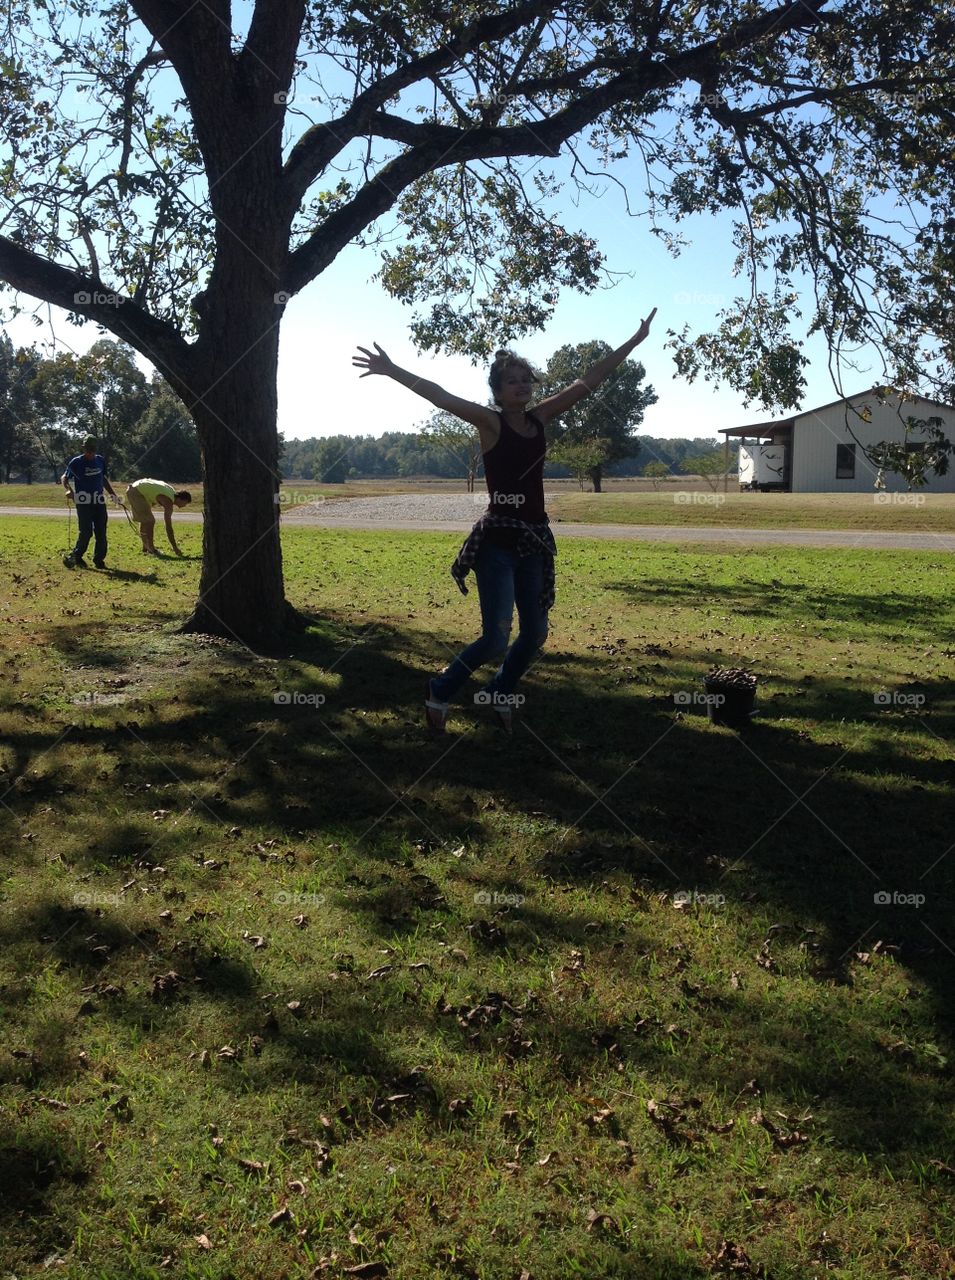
(48, 406)
(335, 459)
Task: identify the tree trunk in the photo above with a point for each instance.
(596, 476)
(241, 593)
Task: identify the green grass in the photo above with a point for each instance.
(476, 976)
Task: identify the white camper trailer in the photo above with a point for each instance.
(762, 466)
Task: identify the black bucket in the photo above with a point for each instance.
(730, 702)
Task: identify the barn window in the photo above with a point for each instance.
(845, 462)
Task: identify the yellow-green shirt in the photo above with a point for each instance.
(150, 489)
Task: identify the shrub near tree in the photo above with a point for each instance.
(583, 458)
(657, 473)
(710, 466)
(458, 441)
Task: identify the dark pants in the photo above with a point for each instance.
(91, 521)
(504, 579)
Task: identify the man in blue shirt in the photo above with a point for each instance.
(84, 481)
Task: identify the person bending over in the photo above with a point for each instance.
(142, 496)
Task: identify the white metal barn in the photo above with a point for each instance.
(814, 451)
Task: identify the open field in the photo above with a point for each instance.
(288, 989)
(681, 503)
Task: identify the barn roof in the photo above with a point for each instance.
(769, 429)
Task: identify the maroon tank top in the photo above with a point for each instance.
(514, 470)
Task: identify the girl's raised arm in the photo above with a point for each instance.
(563, 400)
(378, 361)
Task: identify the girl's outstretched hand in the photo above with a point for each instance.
(645, 326)
(376, 361)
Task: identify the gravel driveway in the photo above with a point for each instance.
(445, 507)
(452, 512)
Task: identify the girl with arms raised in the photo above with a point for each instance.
(511, 548)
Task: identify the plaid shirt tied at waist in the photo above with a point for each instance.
(535, 538)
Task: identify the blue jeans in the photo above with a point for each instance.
(90, 520)
(504, 579)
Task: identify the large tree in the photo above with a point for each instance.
(175, 171)
(605, 421)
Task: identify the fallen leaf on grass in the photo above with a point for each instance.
(367, 1271)
(165, 984)
(280, 1215)
(780, 1139)
(203, 1241)
(599, 1119)
(604, 1220)
(252, 1166)
(734, 1258)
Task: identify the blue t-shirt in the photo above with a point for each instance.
(87, 474)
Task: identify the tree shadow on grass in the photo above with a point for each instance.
(804, 830)
(884, 614)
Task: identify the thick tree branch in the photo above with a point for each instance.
(272, 42)
(436, 145)
(159, 341)
(316, 149)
